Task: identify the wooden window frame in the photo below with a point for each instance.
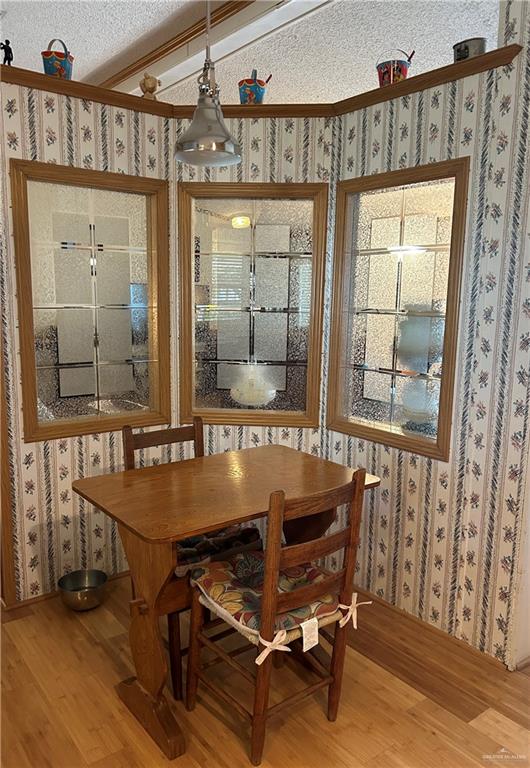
(459, 170)
(188, 192)
(156, 191)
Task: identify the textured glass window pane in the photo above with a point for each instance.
(120, 218)
(420, 342)
(113, 277)
(123, 387)
(385, 232)
(270, 336)
(384, 204)
(420, 229)
(65, 393)
(272, 282)
(232, 334)
(70, 228)
(373, 340)
(58, 213)
(115, 333)
(112, 230)
(298, 336)
(382, 281)
(441, 276)
(42, 274)
(61, 276)
(229, 240)
(74, 382)
(430, 197)
(272, 238)
(224, 281)
(75, 335)
(443, 230)
(417, 406)
(300, 284)
(376, 386)
(369, 396)
(72, 277)
(417, 280)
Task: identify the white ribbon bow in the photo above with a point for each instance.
(272, 645)
(351, 611)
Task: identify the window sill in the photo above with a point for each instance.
(54, 430)
(227, 417)
(422, 446)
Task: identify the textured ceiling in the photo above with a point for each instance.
(331, 54)
(95, 31)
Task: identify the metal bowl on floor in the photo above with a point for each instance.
(82, 590)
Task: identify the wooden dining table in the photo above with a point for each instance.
(157, 506)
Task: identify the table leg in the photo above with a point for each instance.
(151, 565)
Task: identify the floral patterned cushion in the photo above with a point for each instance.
(236, 587)
(217, 545)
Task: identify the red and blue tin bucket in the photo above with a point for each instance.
(252, 90)
(58, 63)
(395, 69)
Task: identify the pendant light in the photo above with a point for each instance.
(252, 389)
(208, 141)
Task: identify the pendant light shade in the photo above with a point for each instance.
(208, 141)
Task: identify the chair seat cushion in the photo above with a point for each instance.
(235, 586)
(216, 545)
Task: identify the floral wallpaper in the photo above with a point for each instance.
(439, 540)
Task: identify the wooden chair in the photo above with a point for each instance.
(328, 597)
(136, 442)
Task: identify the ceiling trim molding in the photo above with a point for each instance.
(183, 38)
(491, 60)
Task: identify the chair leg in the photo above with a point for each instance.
(259, 714)
(194, 653)
(336, 670)
(175, 655)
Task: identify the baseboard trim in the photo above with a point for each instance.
(435, 631)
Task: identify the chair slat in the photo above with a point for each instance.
(136, 442)
(313, 550)
(287, 601)
(319, 502)
(163, 437)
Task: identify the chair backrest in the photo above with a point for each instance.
(278, 557)
(135, 442)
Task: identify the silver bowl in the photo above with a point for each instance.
(82, 590)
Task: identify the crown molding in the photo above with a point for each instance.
(491, 60)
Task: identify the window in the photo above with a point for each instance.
(251, 266)
(398, 261)
(92, 262)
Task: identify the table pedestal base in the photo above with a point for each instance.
(154, 715)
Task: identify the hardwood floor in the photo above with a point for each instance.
(412, 698)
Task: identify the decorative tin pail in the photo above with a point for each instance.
(393, 70)
(252, 90)
(58, 63)
(467, 49)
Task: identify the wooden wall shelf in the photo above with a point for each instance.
(491, 60)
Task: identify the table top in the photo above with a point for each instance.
(171, 501)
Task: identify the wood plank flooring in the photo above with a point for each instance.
(412, 698)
